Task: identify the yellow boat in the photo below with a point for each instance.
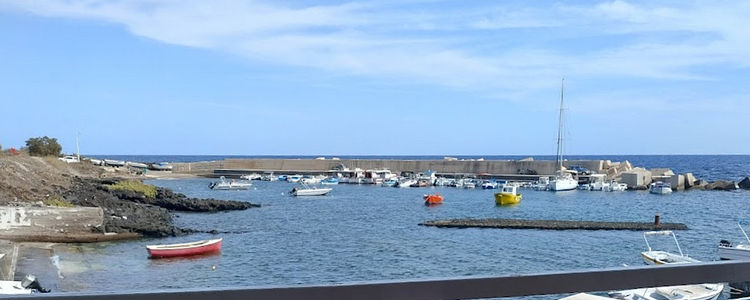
(508, 196)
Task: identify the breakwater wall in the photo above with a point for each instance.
(500, 167)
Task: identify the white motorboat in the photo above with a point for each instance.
(660, 188)
(562, 181)
(489, 185)
(310, 180)
(408, 182)
(269, 177)
(224, 184)
(294, 178)
(656, 257)
(727, 251)
(469, 184)
(706, 291)
(598, 182)
(678, 292)
(253, 176)
(306, 190)
(615, 186)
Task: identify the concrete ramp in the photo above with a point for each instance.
(54, 224)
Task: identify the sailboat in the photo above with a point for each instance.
(562, 181)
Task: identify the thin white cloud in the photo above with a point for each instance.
(479, 47)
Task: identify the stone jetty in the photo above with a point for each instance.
(553, 224)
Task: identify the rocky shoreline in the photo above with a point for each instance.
(130, 211)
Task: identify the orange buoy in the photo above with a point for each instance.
(432, 199)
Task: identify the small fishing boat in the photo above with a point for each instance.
(162, 166)
(470, 184)
(253, 176)
(138, 165)
(508, 195)
(660, 188)
(433, 199)
(224, 184)
(330, 181)
(655, 257)
(306, 190)
(390, 183)
(114, 162)
(407, 183)
(294, 178)
(310, 180)
(184, 249)
(615, 186)
(727, 251)
(489, 185)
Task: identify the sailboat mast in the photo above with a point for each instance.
(560, 128)
(78, 150)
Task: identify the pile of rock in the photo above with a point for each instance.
(639, 178)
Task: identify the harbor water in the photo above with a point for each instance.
(366, 232)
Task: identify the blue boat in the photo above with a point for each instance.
(330, 181)
(282, 177)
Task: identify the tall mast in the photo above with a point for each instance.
(78, 150)
(560, 129)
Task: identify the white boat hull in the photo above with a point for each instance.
(563, 184)
(681, 292)
(312, 192)
(734, 253)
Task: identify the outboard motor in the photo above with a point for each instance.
(30, 282)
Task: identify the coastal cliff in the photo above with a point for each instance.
(138, 210)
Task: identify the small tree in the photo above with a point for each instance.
(43, 146)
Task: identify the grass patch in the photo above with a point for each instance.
(136, 186)
(57, 201)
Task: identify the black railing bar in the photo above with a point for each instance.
(457, 288)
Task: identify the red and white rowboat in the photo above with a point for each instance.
(185, 249)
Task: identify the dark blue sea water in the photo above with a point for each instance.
(709, 167)
(363, 233)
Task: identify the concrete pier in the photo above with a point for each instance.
(552, 224)
(55, 224)
(443, 167)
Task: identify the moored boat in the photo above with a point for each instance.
(184, 249)
(390, 183)
(306, 190)
(660, 188)
(405, 183)
(433, 199)
(162, 166)
(508, 195)
(728, 251)
(562, 181)
(330, 181)
(706, 291)
(224, 184)
(656, 257)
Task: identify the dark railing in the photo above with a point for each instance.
(459, 288)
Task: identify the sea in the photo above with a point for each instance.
(362, 233)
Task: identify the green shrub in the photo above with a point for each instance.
(57, 201)
(136, 186)
(43, 146)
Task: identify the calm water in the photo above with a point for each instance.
(362, 233)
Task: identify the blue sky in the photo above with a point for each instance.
(376, 77)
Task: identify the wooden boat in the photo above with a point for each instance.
(508, 195)
(432, 199)
(184, 249)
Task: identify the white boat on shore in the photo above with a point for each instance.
(162, 166)
(305, 190)
(656, 257)
(138, 165)
(224, 184)
(114, 163)
(660, 188)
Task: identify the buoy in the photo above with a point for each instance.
(213, 267)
